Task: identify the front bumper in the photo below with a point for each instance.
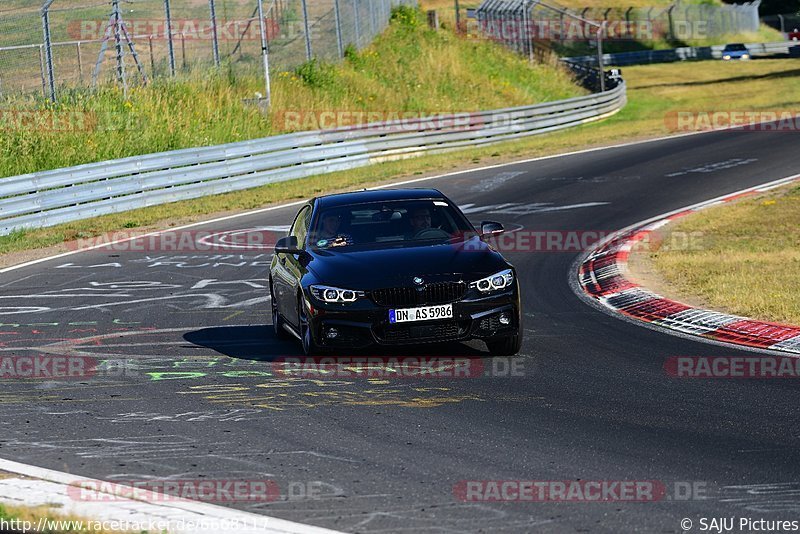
(365, 323)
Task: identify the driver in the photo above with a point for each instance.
(419, 219)
(329, 234)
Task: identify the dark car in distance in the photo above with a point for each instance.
(392, 267)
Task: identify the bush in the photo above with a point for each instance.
(406, 16)
(316, 74)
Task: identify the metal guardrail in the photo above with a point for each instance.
(53, 197)
(680, 54)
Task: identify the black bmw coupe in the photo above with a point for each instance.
(392, 267)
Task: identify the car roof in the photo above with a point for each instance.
(376, 195)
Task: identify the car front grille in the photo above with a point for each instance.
(432, 293)
(410, 333)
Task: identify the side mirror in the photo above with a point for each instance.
(287, 245)
(490, 228)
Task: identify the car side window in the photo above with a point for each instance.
(300, 226)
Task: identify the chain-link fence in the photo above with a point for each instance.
(533, 25)
(45, 48)
(788, 24)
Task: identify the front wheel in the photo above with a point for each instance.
(310, 346)
(277, 320)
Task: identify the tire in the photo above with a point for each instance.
(277, 320)
(506, 346)
(307, 341)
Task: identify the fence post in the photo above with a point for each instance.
(170, 45)
(628, 32)
(371, 18)
(309, 53)
(264, 51)
(183, 52)
(600, 65)
(671, 23)
(80, 63)
(337, 16)
(118, 46)
(152, 56)
(215, 39)
(357, 23)
(41, 70)
(48, 48)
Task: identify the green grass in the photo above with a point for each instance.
(59, 523)
(408, 68)
(653, 92)
(749, 260)
(446, 11)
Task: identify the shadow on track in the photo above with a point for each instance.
(258, 342)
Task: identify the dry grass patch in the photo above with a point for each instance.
(749, 261)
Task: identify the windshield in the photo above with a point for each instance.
(394, 223)
(735, 48)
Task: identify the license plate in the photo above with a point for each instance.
(424, 313)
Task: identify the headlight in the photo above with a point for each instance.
(726, 56)
(335, 294)
(497, 281)
(745, 56)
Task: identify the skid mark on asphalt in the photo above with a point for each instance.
(427, 517)
(239, 370)
(495, 181)
(131, 296)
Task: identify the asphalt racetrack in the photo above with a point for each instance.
(195, 396)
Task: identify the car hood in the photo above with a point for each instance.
(377, 268)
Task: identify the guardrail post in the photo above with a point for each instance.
(214, 37)
(264, 52)
(168, 31)
(307, 30)
(48, 47)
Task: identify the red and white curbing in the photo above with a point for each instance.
(602, 276)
